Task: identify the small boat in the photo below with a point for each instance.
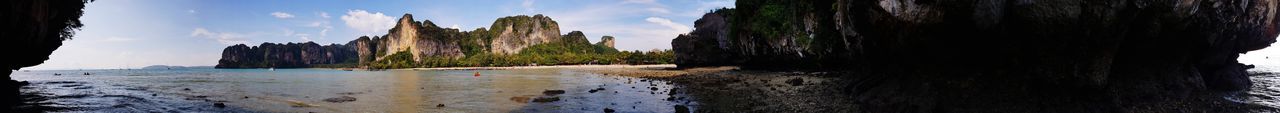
(271, 69)
(477, 73)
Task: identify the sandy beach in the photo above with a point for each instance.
(546, 67)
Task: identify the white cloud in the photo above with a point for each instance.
(288, 32)
(323, 25)
(641, 1)
(191, 11)
(668, 23)
(528, 5)
(119, 39)
(659, 10)
(368, 23)
(304, 37)
(644, 29)
(282, 15)
(224, 38)
(324, 15)
(455, 26)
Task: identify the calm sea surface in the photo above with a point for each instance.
(327, 90)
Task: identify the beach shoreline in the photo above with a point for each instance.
(545, 67)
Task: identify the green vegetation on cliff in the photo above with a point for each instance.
(567, 52)
(511, 41)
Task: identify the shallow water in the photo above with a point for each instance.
(306, 90)
(1266, 88)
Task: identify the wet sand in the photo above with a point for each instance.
(727, 89)
(547, 67)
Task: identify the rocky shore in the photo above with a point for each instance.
(32, 30)
(998, 55)
(728, 89)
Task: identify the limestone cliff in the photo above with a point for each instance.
(403, 37)
(289, 55)
(513, 33)
(575, 37)
(706, 45)
(1001, 55)
(606, 41)
(421, 39)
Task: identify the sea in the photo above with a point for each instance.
(332, 90)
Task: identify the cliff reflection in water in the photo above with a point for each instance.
(322, 90)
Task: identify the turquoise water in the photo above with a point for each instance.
(306, 90)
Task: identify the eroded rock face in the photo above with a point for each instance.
(404, 37)
(575, 37)
(365, 49)
(606, 41)
(289, 55)
(705, 46)
(422, 39)
(1110, 54)
(514, 33)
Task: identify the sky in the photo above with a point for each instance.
(137, 33)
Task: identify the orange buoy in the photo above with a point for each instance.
(477, 73)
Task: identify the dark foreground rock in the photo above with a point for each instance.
(546, 99)
(999, 55)
(32, 29)
(552, 92)
(340, 99)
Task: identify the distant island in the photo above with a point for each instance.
(159, 67)
(511, 41)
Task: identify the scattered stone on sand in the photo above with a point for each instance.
(439, 105)
(595, 90)
(546, 99)
(295, 103)
(153, 95)
(246, 97)
(653, 88)
(796, 81)
(340, 99)
(682, 109)
(521, 99)
(186, 89)
(607, 110)
(350, 93)
(219, 105)
(552, 92)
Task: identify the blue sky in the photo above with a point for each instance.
(137, 33)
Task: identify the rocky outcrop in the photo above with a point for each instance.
(404, 37)
(1001, 55)
(421, 39)
(606, 41)
(514, 33)
(706, 45)
(32, 30)
(575, 37)
(289, 55)
(366, 49)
